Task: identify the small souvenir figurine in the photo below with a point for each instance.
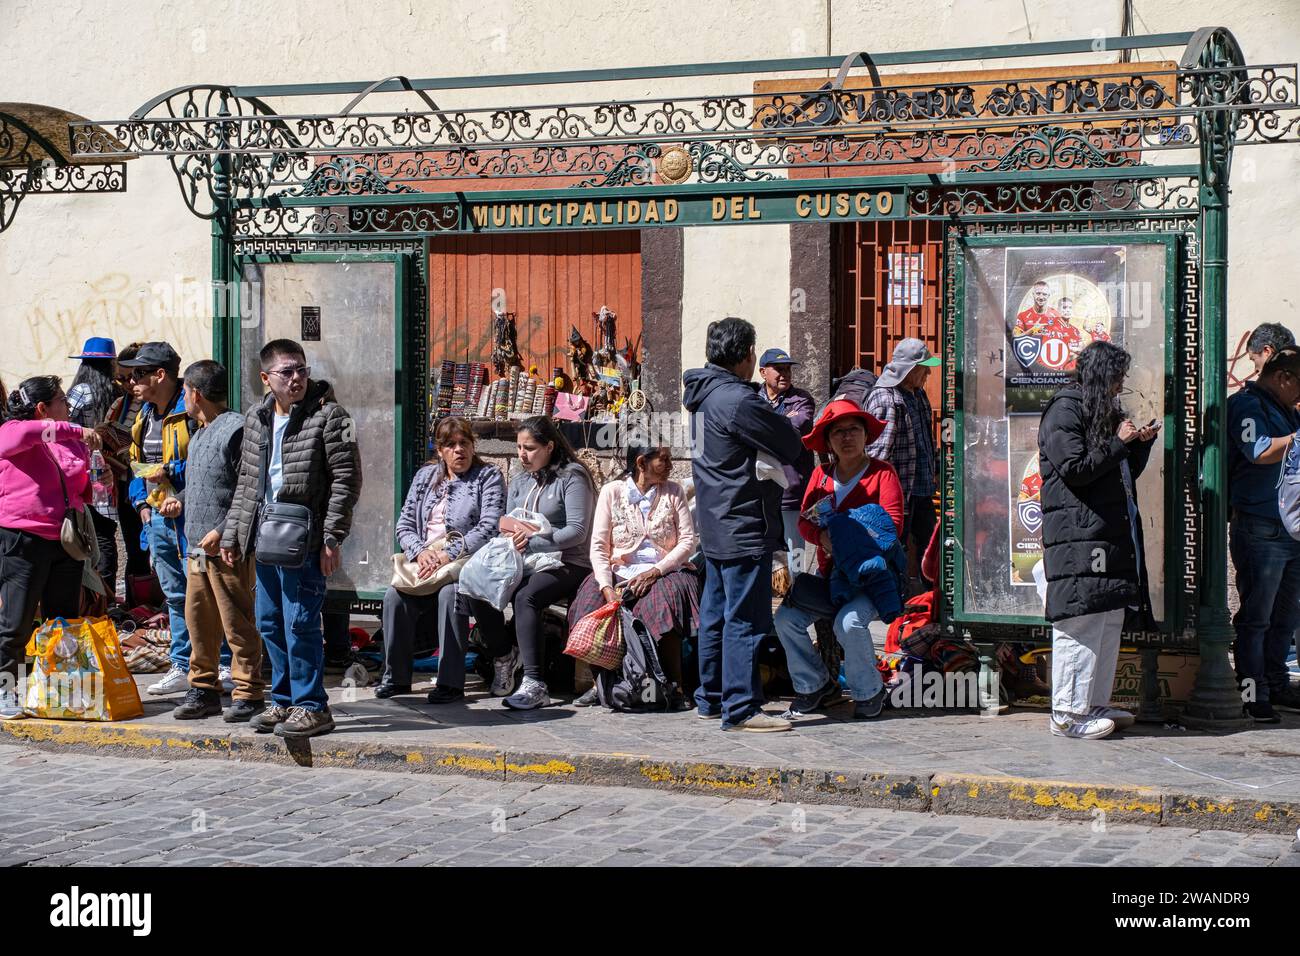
(580, 355)
(505, 343)
(606, 322)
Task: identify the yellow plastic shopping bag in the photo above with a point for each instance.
(78, 672)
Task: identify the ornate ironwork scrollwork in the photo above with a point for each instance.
(347, 177)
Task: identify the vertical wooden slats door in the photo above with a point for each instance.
(889, 286)
(551, 281)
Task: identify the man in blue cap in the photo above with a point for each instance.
(796, 404)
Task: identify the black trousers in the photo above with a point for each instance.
(34, 572)
(406, 615)
(106, 536)
(538, 592)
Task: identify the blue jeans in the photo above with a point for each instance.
(166, 546)
(289, 602)
(735, 616)
(1267, 562)
(852, 627)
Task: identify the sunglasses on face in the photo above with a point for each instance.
(287, 374)
(140, 374)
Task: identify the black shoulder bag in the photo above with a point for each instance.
(284, 530)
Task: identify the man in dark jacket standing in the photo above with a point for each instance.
(1262, 419)
(1090, 457)
(777, 370)
(299, 448)
(740, 518)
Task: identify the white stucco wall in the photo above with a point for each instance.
(71, 267)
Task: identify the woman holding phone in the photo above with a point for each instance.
(1090, 456)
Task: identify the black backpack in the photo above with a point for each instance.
(854, 386)
(640, 685)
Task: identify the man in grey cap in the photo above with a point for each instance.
(797, 405)
(899, 400)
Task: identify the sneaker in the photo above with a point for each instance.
(10, 708)
(1122, 719)
(589, 699)
(226, 678)
(504, 671)
(1262, 713)
(302, 722)
(1287, 700)
(705, 715)
(761, 723)
(1093, 728)
(805, 704)
(199, 702)
(870, 709)
(445, 695)
(531, 695)
(242, 711)
(176, 680)
(269, 719)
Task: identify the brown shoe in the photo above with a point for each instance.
(269, 719)
(305, 723)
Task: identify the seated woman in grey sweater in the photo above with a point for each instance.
(455, 492)
(551, 480)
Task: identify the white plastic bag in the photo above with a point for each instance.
(492, 573)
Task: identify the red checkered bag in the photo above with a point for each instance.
(598, 637)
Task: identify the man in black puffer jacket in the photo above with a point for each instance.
(306, 442)
(1091, 543)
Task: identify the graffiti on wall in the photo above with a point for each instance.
(1240, 368)
(43, 335)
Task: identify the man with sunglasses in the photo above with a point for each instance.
(300, 448)
(160, 439)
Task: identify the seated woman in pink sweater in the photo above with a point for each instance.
(44, 470)
(641, 540)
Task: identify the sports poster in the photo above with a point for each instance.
(1059, 299)
(1026, 511)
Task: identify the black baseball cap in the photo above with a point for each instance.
(154, 355)
(1286, 359)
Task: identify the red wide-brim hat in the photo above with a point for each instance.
(837, 410)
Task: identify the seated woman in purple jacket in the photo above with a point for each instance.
(455, 492)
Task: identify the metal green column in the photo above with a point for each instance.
(1215, 703)
(225, 341)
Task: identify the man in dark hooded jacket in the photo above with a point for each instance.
(740, 521)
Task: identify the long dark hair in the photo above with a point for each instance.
(30, 393)
(1101, 368)
(447, 429)
(543, 429)
(97, 373)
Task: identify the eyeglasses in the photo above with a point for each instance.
(292, 372)
(140, 374)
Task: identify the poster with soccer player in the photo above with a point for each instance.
(1059, 299)
(1026, 511)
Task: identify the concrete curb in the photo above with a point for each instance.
(1009, 798)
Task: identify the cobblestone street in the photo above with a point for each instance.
(67, 809)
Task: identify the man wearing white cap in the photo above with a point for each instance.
(899, 400)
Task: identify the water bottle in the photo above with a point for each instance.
(101, 493)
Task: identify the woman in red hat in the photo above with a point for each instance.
(852, 479)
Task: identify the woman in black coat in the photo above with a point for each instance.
(1089, 457)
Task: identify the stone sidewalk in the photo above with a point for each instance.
(930, 761)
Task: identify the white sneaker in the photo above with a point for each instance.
(1093, 728)
(177, 680)
(504, 670)
(226, 679)
(1121, 718)
(10, 707)
(532, 694)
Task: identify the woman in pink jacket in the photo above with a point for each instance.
(642, 539)
(42, 454)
